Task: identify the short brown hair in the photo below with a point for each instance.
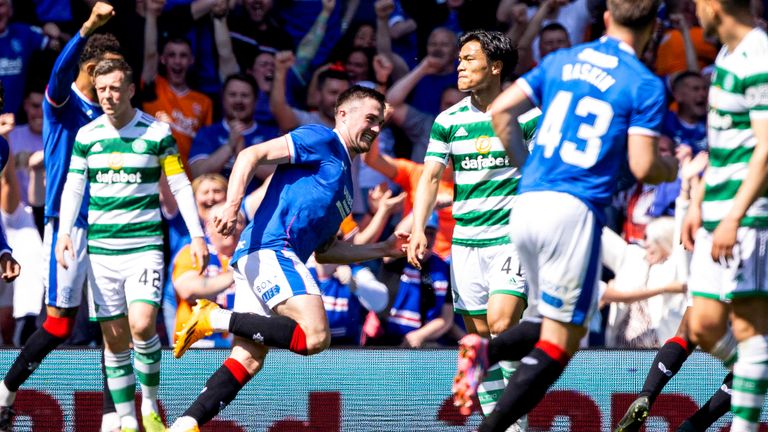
(634, 14)
(212, 177)
(358, 92)
(108, 66)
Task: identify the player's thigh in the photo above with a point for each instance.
(143, 288)
(567, 336)
(566, 246)
(750, 317)
(470, 290)
(707, 321)
(64, 287)
(508, 290)
(106, 295)
(269, 282)
(477, 324)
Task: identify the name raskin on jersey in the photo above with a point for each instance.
(482, 162)
(121, 176)
(589, 73)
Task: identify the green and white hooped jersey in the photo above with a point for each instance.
(123, 168)
(739, 93)
(485, 181)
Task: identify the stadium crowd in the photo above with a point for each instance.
(228, 75)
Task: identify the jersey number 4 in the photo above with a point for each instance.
(551, 132)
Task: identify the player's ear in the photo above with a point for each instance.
(131, 90)
(496, 67)
(607, 18)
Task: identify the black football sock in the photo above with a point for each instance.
(220, 389)
(668, 361)
(515, 343)
(527, 387)
(717, 406)
(38, 346)
(274, 331)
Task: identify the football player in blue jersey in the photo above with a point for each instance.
(592, 122)
(277, 302)
(70, 102)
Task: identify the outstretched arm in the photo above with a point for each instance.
(341, 252)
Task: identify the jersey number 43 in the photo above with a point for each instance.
(551, 132)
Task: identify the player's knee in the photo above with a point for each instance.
(499, 325)
(318, 341)
(142, 328)
(60, 327)
(705, 333)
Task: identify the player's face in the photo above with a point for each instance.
(552, 41)
(177, 58)
(263, 71)
(33, 107)
(331, 90)
(238, 101)
(475, 71)
(114, 93)
(363, 119)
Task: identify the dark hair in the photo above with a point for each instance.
(369, 53)
(554, 26)
(331, 74)
(357, 92)
(682, 76)
(176, 39)
(634, 14)
(735, 7)
(98, 45)
(496, 46)
(248, 79)
(107, 66)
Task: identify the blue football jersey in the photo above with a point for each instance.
(592, 95)
(306, 200)
(65, 111)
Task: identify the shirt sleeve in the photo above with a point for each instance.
(650, 106)
(311, 144)
(65, 71)
(439, 147)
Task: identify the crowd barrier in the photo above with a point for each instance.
(362, 390)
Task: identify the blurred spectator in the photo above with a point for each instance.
(330, 84)
(647, 296)
(642, 198)
(406, 174)
(348, 294)
(169, 97)
(18, 42)
(551, 37)
(209, 190)
(672, 55)
(253, 27)
(422, 311)
(215, 284)
(215, 147)
(572, 14)
(298, 16)
(423, 86)
(27, 144)
(417, 125)
(687, 126)
(20, 308)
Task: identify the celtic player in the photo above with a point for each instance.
(122, 155)
(727, 223)
(489, 287)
